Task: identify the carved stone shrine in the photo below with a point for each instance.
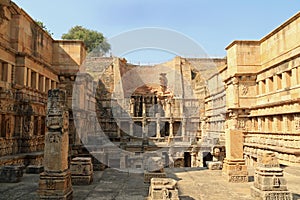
(55, 182)
(269, 183)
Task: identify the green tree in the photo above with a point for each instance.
(43, 26)
(94, 41)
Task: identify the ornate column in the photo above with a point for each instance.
(132, 107)
(183, 129)
(55, 182)
(131, 127)
(234, 166)
(294, 77)
(144, 128)
(144, 107)
(158, 125)
(235, 83)
(119, 128)
(171, 128)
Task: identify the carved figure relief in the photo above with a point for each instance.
(245, 90)
(297, 122)
(50, 184)
(53, 138)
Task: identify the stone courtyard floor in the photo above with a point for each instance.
(193, 183)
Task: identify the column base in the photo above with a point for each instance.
(270, 195)
(235, 170)
(55, 186)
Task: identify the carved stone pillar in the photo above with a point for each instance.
(171, 135)
(119, 128)
(144, 107)
(193, 159)
(234, 166)
(132, 107)
(55, 182)
(131, 128)
(235, 91)
(183, 129)
(145, 128)
(158, 125)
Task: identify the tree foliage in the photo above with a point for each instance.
(43, 26)
(94, 41)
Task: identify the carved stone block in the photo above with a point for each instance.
(214, 165)
(149, 175)
(270, 195)
(163, 188)
(55, 186)
(11, 174)
(269, 183)
(82, 171)
(235, 170)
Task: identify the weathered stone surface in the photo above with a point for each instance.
(269, 182)
(11, 174)
(55, 186)
(81, 170)
(234, 166)
(163, 189)
(270, 195)
(149, 175)
(214, 165)
(55, 182)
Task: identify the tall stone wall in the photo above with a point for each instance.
(27, 72)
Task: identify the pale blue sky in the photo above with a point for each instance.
(212, 24)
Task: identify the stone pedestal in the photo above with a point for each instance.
(55, 186)
(11, 174)
(163, 188)
(55, 182)
(235, 170)
(269, 183)
(81, 171)
(234, 166)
